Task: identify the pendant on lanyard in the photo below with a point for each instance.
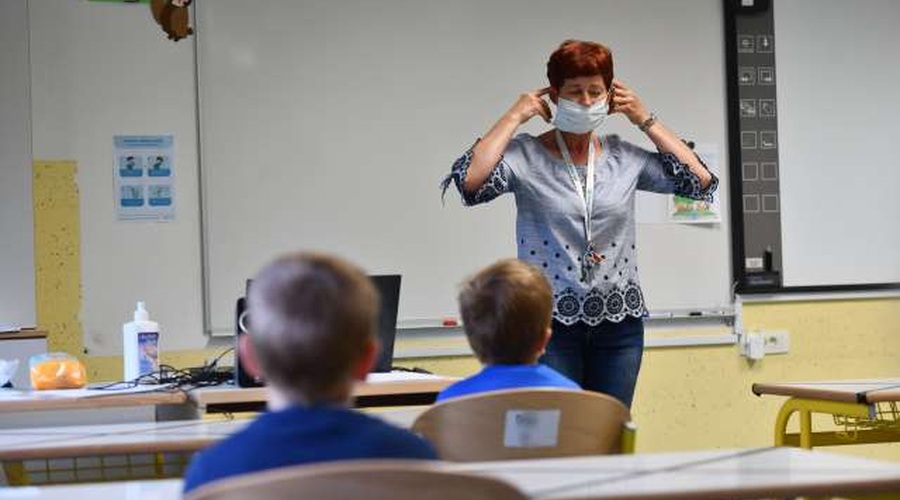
(591, 257)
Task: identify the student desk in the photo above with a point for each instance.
(43, 408)
(380, 389)
(866, 409)
(87, 443)
(710, 475)
(78, 453)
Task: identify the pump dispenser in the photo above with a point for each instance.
(140, 341)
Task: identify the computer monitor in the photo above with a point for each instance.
(388, 287)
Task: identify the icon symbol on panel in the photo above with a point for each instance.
(748, 139)
(748, 108)
(768, 140)
(767, 76)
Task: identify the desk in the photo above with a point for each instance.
(79, 453)
(145, 438)
(22, 409)
(710, 475)
(380, 389)
(866, 409)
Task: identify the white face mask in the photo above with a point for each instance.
(576, 119)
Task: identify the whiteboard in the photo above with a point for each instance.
(328, 126)
(17, 306)
(839, 167)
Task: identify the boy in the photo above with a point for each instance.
(506, 311)
(312, 321)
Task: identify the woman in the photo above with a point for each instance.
(565, 173)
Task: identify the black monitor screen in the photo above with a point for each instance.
(389, 288)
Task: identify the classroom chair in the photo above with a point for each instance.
(527, 423)
(369, 479)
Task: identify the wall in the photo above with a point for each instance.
(97, 70)
(16, 233)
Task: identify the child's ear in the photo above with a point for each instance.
(367, 360)
(247, 353)
(542, 343)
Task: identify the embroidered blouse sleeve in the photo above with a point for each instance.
(501, 179)
(665, 173)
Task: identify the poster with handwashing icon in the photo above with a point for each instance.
(144, 172)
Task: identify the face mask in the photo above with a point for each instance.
(576, 119)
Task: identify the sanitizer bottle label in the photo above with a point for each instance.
(148, 348)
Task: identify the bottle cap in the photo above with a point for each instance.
(140, 313)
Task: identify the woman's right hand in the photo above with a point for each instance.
(529, 105)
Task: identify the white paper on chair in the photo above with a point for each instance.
(531, 428)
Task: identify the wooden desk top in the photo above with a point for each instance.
(703, 475)
(23, 334)
(707, 475)
(396, 384)
(38, 401)
(114, 439)
(864, 391)
(141, 437)
(378, 384)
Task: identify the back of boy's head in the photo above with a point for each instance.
(311, 317)
(506, 309)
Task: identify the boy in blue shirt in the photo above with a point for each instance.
(506, 311)
(312, 322)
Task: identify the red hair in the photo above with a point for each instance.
(575, 58)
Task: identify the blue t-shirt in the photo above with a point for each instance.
(497, 377)
(299, 435)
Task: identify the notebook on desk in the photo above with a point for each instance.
(388, 287)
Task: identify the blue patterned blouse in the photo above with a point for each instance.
(550, 227)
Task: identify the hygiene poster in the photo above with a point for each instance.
(687, 211)
(144, 173)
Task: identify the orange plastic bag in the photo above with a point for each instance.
(56, 370)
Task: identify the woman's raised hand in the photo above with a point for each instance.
(624, 100)
(529, 105)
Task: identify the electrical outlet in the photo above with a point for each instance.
(776, 341)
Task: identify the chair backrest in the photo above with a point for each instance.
(362, 479)
(527, 423)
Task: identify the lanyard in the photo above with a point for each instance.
(586, 196)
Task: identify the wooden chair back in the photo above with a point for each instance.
(359, 479)
(527, 423)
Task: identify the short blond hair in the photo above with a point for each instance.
(506, 309)
(311, 317)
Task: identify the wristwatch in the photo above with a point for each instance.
(646, 124)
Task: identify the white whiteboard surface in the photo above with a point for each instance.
(328, 125)
(838, 102)
(17, 306)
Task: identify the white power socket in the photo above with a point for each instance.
(776, 341)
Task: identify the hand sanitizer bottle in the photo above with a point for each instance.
(140, 340)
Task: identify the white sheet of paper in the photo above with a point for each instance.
(531, 428)
(400, 376)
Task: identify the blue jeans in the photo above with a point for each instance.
(604, 358)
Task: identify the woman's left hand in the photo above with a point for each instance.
(624, 100)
